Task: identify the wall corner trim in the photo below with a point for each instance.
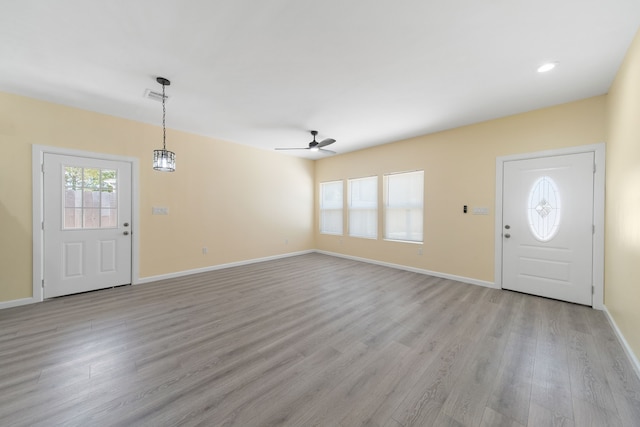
(462, 279)
(625, 345)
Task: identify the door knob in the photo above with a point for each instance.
(506, 226)
(126, 224)
(126, 233)
(507, 235)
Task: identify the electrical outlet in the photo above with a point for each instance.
(286, 241)
(205, 251)
(420, 251)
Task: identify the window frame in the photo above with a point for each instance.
(385, 232)
(322, 209)
(351, 209)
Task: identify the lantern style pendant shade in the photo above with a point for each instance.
(164, 160)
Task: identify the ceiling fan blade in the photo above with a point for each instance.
(300, 148)
(326, 142)
(324, 150)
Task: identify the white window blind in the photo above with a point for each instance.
(331, 207)
(363, 207)
(403, 207)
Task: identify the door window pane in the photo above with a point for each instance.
(72, 178)
(109, 218)
(91, 218)
(91, 178)
(73, 218)
(90, 198)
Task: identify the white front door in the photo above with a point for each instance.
(547, 234)
(87, 224)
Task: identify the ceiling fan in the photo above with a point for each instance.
(315, 145)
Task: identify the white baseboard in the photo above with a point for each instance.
(217, 267)
(625, 345)
(462, 279)
(17, 302)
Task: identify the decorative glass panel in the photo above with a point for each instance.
(544, 209)
(90, 198)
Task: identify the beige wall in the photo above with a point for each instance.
(240, 202)
(459, 170)
(622, 238)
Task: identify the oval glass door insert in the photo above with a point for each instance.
(544, 209)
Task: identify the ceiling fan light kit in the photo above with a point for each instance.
(164, 160)
(315, 145)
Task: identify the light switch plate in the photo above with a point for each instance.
(159, 210)
(481, 211)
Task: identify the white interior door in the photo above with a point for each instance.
(87, 224)
(547, 235)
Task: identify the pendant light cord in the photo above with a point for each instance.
(164, 129)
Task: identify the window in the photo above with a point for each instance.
(403, 207)
(363, 207)
(90, 198)
(331, 207)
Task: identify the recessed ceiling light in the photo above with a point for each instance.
(547, 67)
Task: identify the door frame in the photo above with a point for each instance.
(37, 161)
(598, 212)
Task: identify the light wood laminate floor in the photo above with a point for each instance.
(312, 340)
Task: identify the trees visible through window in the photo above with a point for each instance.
(363, 207)
(331, 201)
(403, 206)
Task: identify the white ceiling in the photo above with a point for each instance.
(265, 72)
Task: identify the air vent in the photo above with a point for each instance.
(156, 96)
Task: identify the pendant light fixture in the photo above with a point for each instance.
(163, 160)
